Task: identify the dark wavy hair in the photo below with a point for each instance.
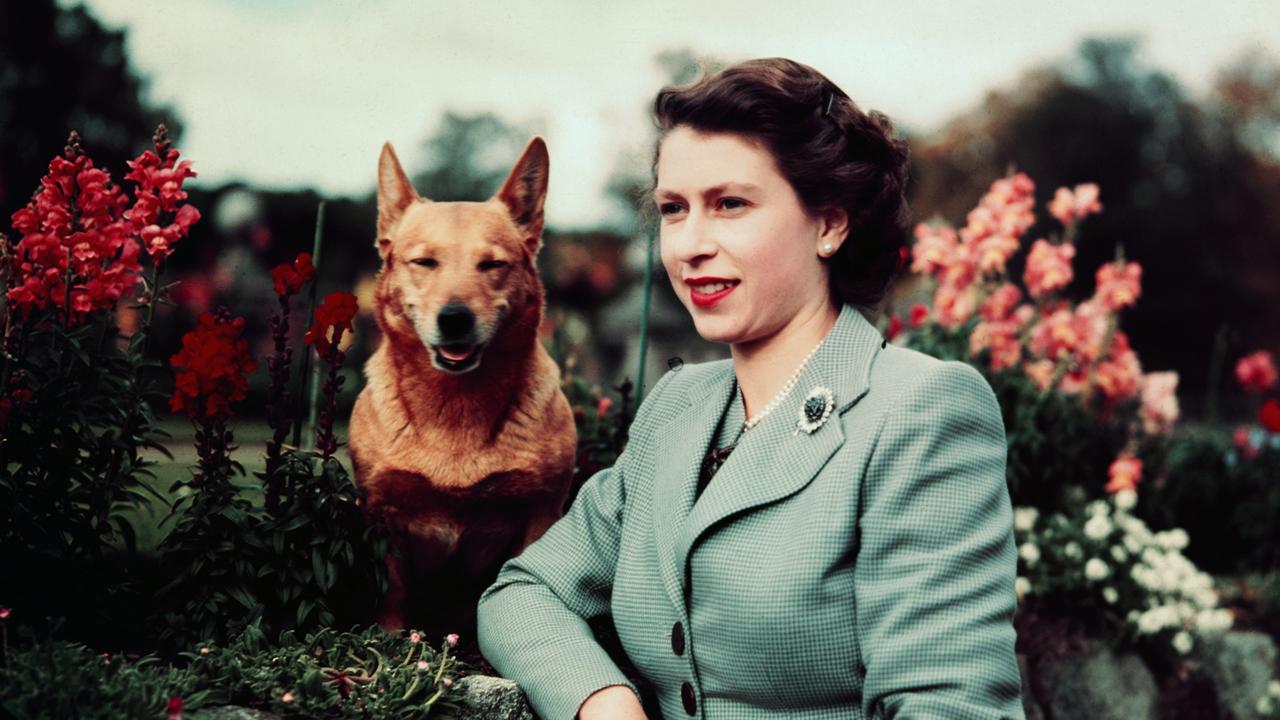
(832, 153)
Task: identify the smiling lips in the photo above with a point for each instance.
(707, 291)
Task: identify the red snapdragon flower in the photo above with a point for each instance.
(1256, 372)
(213, 368)
(76, 211)
(158, 216)
(290, 277)
(334, 313)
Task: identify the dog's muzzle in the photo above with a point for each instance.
(454, 343)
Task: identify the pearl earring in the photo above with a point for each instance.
(826, 249)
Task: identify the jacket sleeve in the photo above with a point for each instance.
(934, 577)
(532, 622)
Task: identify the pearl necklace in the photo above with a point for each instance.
(786, 389)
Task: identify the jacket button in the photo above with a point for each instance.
(677, 638)
(687, 697)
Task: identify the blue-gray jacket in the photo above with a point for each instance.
(865, 570)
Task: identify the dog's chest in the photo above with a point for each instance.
(491, 494)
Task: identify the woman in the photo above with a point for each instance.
(817, 526)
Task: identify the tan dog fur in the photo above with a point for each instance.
(468, 467)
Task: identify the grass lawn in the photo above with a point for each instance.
(250, 439)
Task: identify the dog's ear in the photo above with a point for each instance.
(395, 194)
(526, 189)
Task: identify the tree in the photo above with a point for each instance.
(61, 70)
(470, 155)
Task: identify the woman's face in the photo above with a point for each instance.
(727, 212)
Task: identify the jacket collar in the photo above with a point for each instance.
(771, 461)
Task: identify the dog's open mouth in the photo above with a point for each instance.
(457, 356)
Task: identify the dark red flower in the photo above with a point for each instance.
(175, 708)
(213, 368)
(334, 313)
(1269, 415)
(290, 277)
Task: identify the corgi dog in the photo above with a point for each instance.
(462, 439)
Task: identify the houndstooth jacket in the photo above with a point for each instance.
(864, 570)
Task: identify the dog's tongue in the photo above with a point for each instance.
(458, 352)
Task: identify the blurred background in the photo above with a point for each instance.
(1173, 108)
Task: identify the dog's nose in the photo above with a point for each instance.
(455, 320)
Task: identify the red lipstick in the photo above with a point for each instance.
(706, 300)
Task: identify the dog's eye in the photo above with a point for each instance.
(491, 264)
(425, 262)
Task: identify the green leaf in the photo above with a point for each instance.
(318, 568)
(126, 531)
(304, 608)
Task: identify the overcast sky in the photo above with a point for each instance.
(291, 94)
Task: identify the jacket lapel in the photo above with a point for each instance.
(687, 437)
(771, 461)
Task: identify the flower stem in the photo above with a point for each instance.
(307, 376)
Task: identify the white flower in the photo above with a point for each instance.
(1185, 612)
(1098, 527)
(1175, 539)
(1110, 595)
(1214, 621)
(1125, 500)
(1135, 527)
(1182, 642)
(1142, 575)
(1097, 508)
(1024, 518)
(1265, 705)
(1153, 557)
(1118, 554)
(1273, 687)
(1030, 553)
(1096, 569)
(1158, 617)
(1072, 550)
(1132, 544)
(1022, 586)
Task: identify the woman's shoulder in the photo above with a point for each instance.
(672, 390)
(901, 372)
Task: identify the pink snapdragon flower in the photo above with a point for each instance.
(1069, 207)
